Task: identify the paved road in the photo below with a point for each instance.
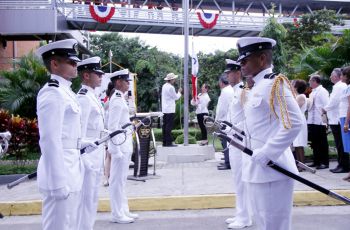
(304, 218)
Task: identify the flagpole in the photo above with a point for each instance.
(186, 88)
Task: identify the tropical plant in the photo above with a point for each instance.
(19, 88)
(335, 52)
(276, 31)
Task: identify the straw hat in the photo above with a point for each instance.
(170, 76)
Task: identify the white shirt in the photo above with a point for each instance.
(118, 115)
(332, 107)
(224, 102)
(267, 133)
(92, 120)
(319, 98)
(235, 113)
(201, 103)
(169, 96)
(59, 124)
(344, 103)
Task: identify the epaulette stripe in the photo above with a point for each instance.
(83, 91)
(53, 82)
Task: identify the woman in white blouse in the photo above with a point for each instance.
(344, 113)
(201, 104)
(301, 140)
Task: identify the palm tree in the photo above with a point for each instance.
(19, 88)
(335, 52)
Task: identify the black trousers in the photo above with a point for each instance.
(200, 119)
(343, 158)
(317, 135)
(226, 152)
(168, 123)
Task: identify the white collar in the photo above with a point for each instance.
(61, 80)
(261, 75)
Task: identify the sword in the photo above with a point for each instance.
(145, 121)
(286, 172)
(298, 163)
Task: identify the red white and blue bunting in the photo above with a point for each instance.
(208, 20)
(101, 14)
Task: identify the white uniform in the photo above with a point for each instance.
(92, 127)
(236, 117)
(223, 103)
(60, 170)
(121, 155)
(271, 192)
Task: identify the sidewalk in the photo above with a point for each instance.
(180, 186)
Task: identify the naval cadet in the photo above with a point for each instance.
(92, 124)
(273, 120)
(235, 116)
(120, 150)
(60, 169)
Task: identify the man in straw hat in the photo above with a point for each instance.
(60, 169)
(273, 120)
(169, 96)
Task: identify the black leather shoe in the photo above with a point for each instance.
(313, 165)
(335, 169)
(340, 170)
(322, 166)
(224, 167)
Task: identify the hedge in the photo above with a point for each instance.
(195, 133)
(180, 139)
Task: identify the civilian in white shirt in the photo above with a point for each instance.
(169, 96)
(332, 110)
(201, 104)
(222, 110)
(317, 127)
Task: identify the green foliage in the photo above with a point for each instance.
(276, 31)
(19, 88)
(25, 135)
(17, 169)
(177, 132)
(335, 52)
(180, 139)
(150, 65)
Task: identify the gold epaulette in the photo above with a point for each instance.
(280, 79)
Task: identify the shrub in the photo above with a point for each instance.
(25, 135)
(176, 132)
(180, 139)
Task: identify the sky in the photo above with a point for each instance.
(175, 43)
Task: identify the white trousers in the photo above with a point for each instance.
(242, 197)
(61, 214)
(272, 204)
(89, 199)
(117, 185)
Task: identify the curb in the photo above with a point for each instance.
(165, 203)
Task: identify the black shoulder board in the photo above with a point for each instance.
(270, 76)
(117, 94)
(53, 82)
(83, 91)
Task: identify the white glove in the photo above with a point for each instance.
(60, 194)
(88, 146)
(260, 158)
